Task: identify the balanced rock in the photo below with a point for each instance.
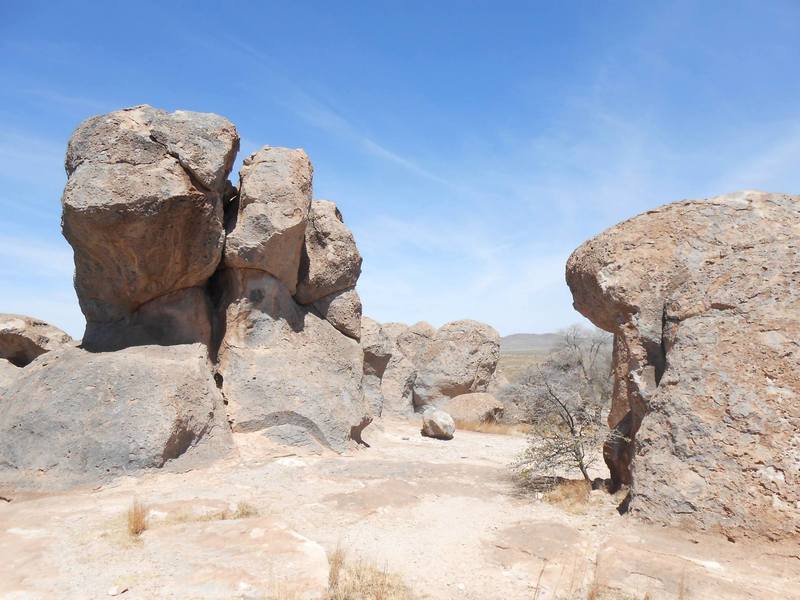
(330, 262)
(22, 339)
(143, 210)
(460, 358)
(703, 298)
(437, 424)
(80, 416)
(475, 407)
(377, 349)
(266, 229)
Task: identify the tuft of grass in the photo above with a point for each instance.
(137, 518)
(244, 510)
(361, 580)
(491, 427)
(572, 495)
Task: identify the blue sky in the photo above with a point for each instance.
(471, 146)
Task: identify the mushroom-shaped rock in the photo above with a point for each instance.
(377, 352)
(22, 339)
(266, 229)
(330, 261)
(461, 358)
(77, 416)
(343, 311)
(437, 424)
(142, 210)
(703, 298)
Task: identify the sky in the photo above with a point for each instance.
(471, 146)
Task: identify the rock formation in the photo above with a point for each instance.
(209, 308)
(437, 424)
(703, 298)
(377, 353)
(22, 339)
(429, 365)
(475, 407)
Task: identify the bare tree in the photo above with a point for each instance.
(565, 398)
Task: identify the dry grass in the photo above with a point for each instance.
(243, 510)
(491, 427)
(572, 495)
(137, 518)
(361, 580)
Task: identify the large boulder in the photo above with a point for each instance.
(143, 210)
(268, 221)
(460, 358)
(77, 416)
(343, 311)
(703, 298)
(475, 407)
(22, 339)
(330, 261)
(377, 349)
(285, 370)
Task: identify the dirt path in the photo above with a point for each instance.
(443, 515)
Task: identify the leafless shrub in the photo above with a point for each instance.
(565, 398)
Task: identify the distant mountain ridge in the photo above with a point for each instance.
(529, 342)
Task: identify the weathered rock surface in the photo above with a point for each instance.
(377, 349)
(269, 221)
(475, 407)
(8, 373)
(142, 210)
(285, 370)
(22, 339)
(461, 358)
(343, 311)
(437, 424)
(330, 262)
(78, 416)
(703, 298)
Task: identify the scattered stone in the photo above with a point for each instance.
(437, 424)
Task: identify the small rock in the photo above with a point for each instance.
(437, 424)
(116, 590)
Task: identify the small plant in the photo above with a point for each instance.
(361, 580)
(137, 518)
(243, 511)
(570, 494)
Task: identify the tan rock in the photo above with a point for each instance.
(703, 299)
(142, 210)
(108, 414)
(271, 213)
(330, 261)
(8, 373)
(461, 358)
(343, 311)
(437, 424)
(22, 339)
(377, 349)
(285, 370)
(475, 407)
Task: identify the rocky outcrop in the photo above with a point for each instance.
(437, 424)
(142, 210)
(343, 311)
(429, 365)
(475, 407)
(703, 298)
(22, 339)
(377, 353)
(77, 416)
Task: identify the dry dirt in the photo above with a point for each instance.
(445, 516)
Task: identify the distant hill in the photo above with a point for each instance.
(529, 342)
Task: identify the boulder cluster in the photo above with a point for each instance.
(703, 299)
(210, 309)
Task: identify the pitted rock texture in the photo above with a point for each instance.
(703, 298)
(268, 224)
(78, 416)
(142, 209)
(330, 262)
(22, 339)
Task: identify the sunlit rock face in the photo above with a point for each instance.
(703, 298)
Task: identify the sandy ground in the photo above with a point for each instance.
(443, 515)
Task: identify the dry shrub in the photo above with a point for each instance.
(137, 518)
(491, 427)
(243, 510)
(361, 580)
(571, 495)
